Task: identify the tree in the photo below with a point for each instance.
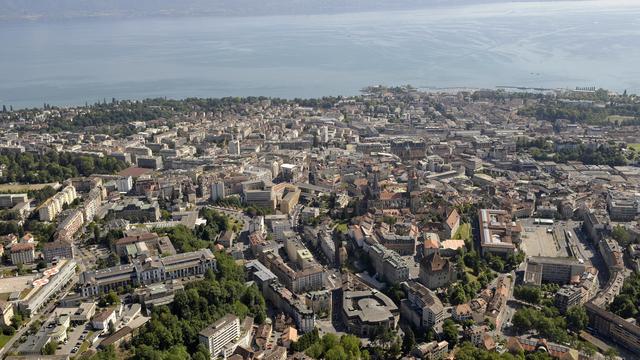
(8, 330)
(621, 235)
(111, 298)
(450, 332)
(17, 320)
(530, 294)
(50, 348)
(624, 306)
(409, 341)
(577, 318)
(108, 353)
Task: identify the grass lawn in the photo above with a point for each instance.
(23, 187)
(3, 340)
(464, 232)
(469, 271)
(636, 147)
(85, 344)
(343, 228)
(614, 118)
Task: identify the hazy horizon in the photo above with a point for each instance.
(68, 9)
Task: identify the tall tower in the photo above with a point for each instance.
(234, 147)
(413, 182)
(374, 186)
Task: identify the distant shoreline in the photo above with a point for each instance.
(123, 11)
(429, 89)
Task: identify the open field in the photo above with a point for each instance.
(24, 187)
(16, 283)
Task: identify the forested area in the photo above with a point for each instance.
(54, 167)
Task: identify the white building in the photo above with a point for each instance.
(217, 191)
(221, 337)
(124, 184)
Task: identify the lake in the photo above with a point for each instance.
(559, 44)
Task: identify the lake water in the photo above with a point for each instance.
(559, 44)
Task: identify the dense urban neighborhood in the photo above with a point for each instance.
(396, 224)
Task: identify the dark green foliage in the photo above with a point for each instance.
(183, 239)
(253, 210)
(109, 353)
(103, 115)
(602, 155)
(470, 352)
(305, 341)
(40, 230)
(230, 201)
(547, 322)
(626, 304)
(530, 294)
(49, 348)
(9, 227)
(216, 223)
(621, 235)
(408, 341)
(450, 332)
(54, 167)
(332, 347)
(577, 318)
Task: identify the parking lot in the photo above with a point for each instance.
(543, 240)
(75, 338)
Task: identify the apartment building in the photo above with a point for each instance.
(22, 253)
(301, 280)
(291, 304)
(388, 264)
(92, 203)
(53, 206)
(421, 308)
(57, 250)
(11, 200)
(622, 206)
(68, 228)
(613, 327)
